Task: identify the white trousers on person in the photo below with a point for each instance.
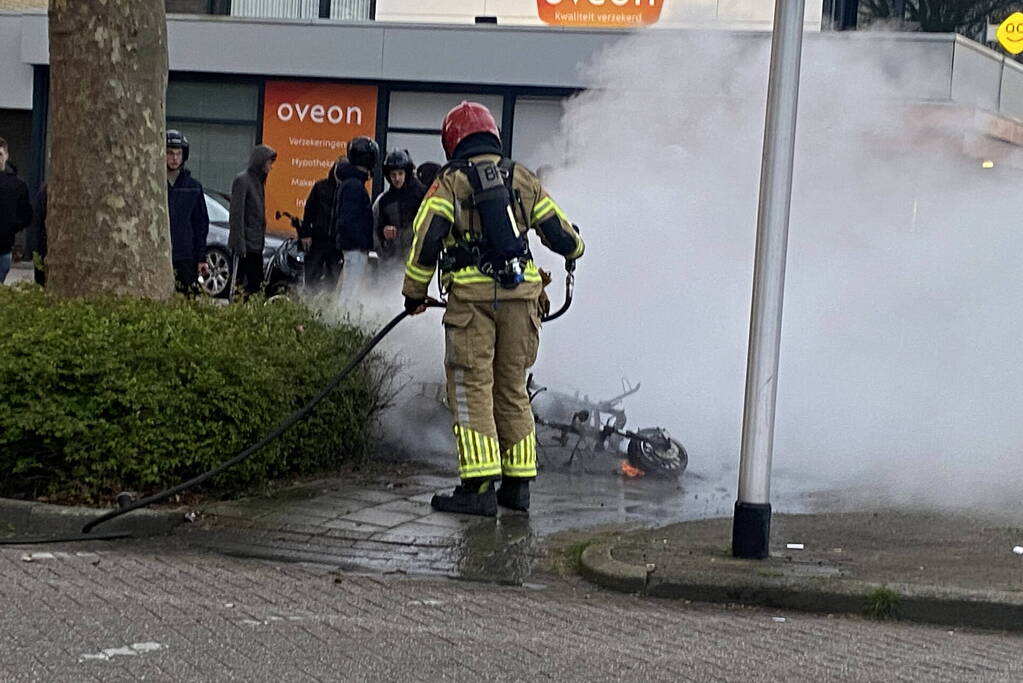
(353, 280)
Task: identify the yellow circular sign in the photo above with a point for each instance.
(1010, 33)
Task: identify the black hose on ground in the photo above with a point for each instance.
(37, 540)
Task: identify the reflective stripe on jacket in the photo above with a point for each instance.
(446, 217)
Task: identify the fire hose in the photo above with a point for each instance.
(289, 422)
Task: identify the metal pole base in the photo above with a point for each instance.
(751, 531)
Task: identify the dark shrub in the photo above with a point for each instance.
(102, 395)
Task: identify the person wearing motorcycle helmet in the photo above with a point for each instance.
(189, 220)
(394, 210)
(474, 223)
(353, 215)
(316, 233)
(426, 172)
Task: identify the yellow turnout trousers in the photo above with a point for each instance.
(489, 347)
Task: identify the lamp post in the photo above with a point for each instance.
(751, 525)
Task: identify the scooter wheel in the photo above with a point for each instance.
(669, 460)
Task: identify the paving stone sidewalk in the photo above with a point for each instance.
(922, 565)
(370, 524)
(383, 522)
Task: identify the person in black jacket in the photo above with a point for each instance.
(353, 215)
(189, 220)
(427, 172)
(15, 209)
(395, 209)
(322, 258)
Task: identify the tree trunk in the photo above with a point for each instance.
(107, 219)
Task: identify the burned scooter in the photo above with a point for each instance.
(600, 426)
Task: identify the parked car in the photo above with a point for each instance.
(283, 261)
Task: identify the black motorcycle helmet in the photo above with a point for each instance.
(398, 160)
(363, 151)
(427, 171)
(176, 140)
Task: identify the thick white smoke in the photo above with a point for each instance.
(900, 362)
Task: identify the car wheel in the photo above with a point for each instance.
(216, 282)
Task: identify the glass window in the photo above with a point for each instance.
(537, 126)
(277, 9)
(351, 9)
(427, 109)
(220, 121)
(212, 100)
(422, 147)
(217, 152)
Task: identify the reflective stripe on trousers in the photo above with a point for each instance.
(520, 459)
(477, 454)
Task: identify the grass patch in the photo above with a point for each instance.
(882, 603)
(565, 550)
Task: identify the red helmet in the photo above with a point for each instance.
(464, 120)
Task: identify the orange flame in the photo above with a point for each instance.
(630, 471)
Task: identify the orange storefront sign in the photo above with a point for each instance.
(606, 13)
(309, 124)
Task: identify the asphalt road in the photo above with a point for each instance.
(149, 610)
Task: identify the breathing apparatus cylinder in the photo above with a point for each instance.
(505, 246)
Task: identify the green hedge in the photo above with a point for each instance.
(103, 395)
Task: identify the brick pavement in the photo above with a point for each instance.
(155, 610)
(385, 524)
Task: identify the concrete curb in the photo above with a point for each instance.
(598, 566)
(24, 518)
(921, 603)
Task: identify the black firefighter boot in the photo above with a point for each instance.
(514, 493)
(471, 497)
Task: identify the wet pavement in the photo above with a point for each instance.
(384, 523)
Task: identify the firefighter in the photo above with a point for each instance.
(474, 224)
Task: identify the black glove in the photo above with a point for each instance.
(412, 304)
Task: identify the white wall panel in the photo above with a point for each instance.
(15, 75)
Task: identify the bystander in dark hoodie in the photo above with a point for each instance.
(395, 209)
(353, 213)
(317, 232)
(353, 217)
(248, 216)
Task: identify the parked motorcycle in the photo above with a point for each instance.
(284, 271)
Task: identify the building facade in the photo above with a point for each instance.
(307, 85)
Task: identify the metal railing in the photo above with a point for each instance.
(351, 10)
